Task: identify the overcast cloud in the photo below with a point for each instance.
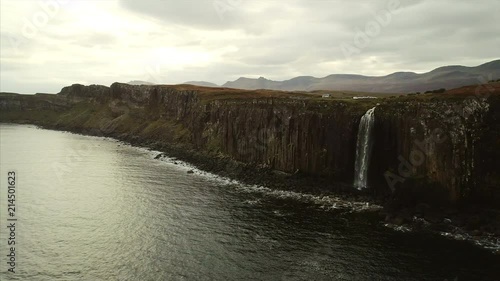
(48, 44)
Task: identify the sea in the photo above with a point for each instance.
(94, 208)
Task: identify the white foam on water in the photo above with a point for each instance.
(324, 202)
(488, 242)
(399, 228)
(185, 166)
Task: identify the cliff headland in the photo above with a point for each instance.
(434, 156)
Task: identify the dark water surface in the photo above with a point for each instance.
(93, 209)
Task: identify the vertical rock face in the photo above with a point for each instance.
(486, 155)
(431, 152)
(79, 93)
(289, 137)
(435, 150)
(15, 102)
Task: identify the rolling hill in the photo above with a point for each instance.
(399, 82)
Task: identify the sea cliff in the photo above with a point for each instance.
(432, 151)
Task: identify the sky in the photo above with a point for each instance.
(49, 44)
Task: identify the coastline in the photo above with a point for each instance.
(300, 142)
(450, 223)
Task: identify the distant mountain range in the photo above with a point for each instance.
(400, 82)
(201, 83)
(195, 83)
(137, 82)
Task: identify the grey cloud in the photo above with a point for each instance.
(96, 39)
(274, 39)
(219, 14)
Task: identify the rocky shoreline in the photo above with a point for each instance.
(475, 224)
(447, 181)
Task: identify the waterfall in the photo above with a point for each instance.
(363, 149)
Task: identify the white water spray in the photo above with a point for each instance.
(363, 149)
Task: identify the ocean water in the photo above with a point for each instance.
(90, 208)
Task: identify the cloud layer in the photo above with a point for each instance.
(47, 44)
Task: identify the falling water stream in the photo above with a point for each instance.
(363, 149)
